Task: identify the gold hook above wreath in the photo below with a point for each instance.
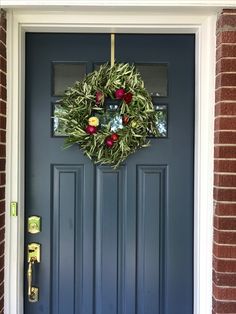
(112, 49)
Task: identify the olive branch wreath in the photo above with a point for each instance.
(109, 114)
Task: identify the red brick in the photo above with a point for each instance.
(224, 223)
(2, 193)
(3, 106)
(225, 108)
(226, 65)
(224, 293)
(2, 305)
(221, 265)
(225, 209)
(3, 21)
(1, 288)
(3, 79)
(2, 150)
(2, 207)
(2, 122)
(3, 93)
(226, 20)
(225, 151)
(225, 37)
(225, 194)
(2, 260)
(225, 79)
(2, 221)
(3, 51)
(3, 35)
(224, 251)
(2, 249)
(1, 275)
(225, 180)
(2, 164)
(225, 123)
(225, 137)
(2, 178)
(223, 94)
(225, 237)
(3, 64)
(2, 235)
(226, 51)
(229, 11)
(222, 279)
(225, 165)
(222, 307)
(2, 136)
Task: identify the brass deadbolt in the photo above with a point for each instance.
(34, 224)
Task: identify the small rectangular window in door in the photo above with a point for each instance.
(65, 74)
(155, 77)
(58, 128)
(162, 120)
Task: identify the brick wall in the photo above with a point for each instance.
(2, 149)
(224, 247)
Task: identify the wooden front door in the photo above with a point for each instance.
(112, 241)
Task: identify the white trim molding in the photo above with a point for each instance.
(113, 19)
(120, 3)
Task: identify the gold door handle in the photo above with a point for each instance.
(33, 257)
(31, 290)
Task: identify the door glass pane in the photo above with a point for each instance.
(154, 75)
(155, 78)
(112, 115)
(65, 75)
(162, 122)
(58, 128)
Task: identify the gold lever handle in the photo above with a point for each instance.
(29, 276)
(32, 291)
(33, 257)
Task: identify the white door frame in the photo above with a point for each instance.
(108, 19)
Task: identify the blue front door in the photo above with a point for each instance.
(112, 241)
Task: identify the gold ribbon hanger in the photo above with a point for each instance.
(112, 49)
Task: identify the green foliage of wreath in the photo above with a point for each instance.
(109, 114)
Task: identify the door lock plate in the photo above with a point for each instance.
(34, 224)
(34, 250)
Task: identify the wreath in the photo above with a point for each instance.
(109, 114)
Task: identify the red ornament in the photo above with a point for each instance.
(128, 97)
(115, 137)
(99, 97)
(109, 142)
(90, 129)
(125, 120)
(119, 93)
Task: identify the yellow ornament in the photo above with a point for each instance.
(134, 124)
(93, 121)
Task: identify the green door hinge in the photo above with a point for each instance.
(13, 207)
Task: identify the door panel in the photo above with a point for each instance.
(113, 241)
(67, 226)
(111, 209)
(151, 189)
